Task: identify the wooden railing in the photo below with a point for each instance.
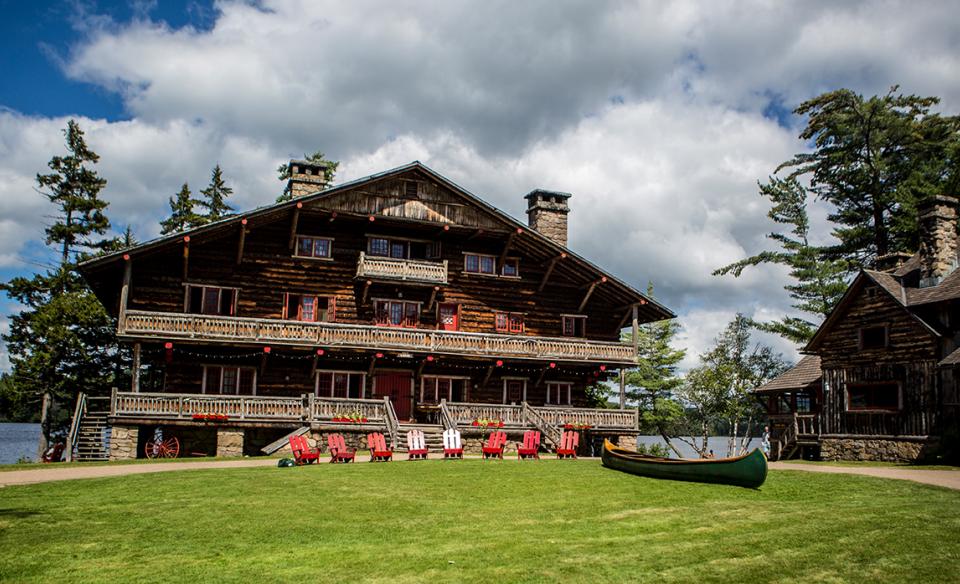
(402, 270)
(169, 325)
(596, 418)
(445, 417)
(550, 431)
(185, 406)
(327, 408)
(74, 432)
(464, 414)
(392, 423)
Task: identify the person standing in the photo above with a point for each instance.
(765, 442)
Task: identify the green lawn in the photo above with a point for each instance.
(474, 521)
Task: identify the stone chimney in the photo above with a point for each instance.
(547, 213)
(306, 177)
(938, 239)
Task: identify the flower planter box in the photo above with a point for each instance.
(342, 420)
(211, 417)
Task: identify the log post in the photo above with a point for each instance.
(623, 388)
(124, 294)
(636, 331)
(433, 297)
(243, 238)
(186, 257)
(135, 369)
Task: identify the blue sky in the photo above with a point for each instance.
(659, 117)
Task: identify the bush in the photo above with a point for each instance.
(654, 450)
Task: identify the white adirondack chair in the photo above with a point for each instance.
(452, 447)
(416, 446)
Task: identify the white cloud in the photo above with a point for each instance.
(649, 112)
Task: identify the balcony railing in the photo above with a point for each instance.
(167, 325)
(402, 270)
(305, 409)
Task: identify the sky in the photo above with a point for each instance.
(659, 117)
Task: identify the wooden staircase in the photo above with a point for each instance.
(89, 438)
(801, 431)
(432, 437)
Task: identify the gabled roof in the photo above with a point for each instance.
(278, 209)
(802, 375)
(887, 283)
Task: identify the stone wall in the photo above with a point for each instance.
(938, 239)
(884, 450)
(229, 442)
(123, 442)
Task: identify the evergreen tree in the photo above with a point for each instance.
(873, 160)
(215, 197)
(318, 157)
(819, 280)
(74, 188)
(657, 361)
(182, 214)
(63, 341)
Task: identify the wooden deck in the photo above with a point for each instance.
(401, 270)
(167, 325)
(327, 413)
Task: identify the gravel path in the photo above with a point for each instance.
(941, 478)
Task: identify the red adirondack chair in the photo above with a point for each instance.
(338, 449)
(531, 445)
(416, 445)
(302, 453)
(495, 444)
(568, 445)
(378, 448)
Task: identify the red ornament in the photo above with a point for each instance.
(553, 365)
(379, 355)
(266, 349)
(186, 239)
(168, 346)
(320, 352)
(429, 357)
(499, 363)
(603, 368)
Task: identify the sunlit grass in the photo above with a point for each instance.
(474, 521)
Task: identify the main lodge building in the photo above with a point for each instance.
(396, 299)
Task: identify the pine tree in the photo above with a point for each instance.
(63, 341)
(819, 280)
(215, 197)
(318, 157)
(182, 214)
(657, 361)
(74, 189)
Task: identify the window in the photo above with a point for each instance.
(558, 393)
(804, 403)
(448, 316)
(873, 396)
(508, 322)
(397, 313)
(510, 268)
(479, 264)
(433, 389)
(314, 247)
(308, 308)
(873, 337)
(347, 384)
(229, 380)
(403, 249)
(211, 300)
(574, 326)
(378, 246)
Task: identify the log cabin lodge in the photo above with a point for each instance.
(398, 300)
(879, 379)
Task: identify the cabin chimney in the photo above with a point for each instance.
(306, 177)
(547, 214)
(938, 239)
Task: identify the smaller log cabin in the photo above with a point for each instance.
(879, 381)
(396, 300)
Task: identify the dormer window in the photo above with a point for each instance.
(314, 247)
(873, 337)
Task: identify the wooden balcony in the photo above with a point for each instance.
(166, 325)
(309, 409)
(415, 271)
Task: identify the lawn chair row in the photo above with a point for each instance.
(417, 448)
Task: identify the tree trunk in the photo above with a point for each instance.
(44, 426)
(879, 230)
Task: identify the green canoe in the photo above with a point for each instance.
(749, 470)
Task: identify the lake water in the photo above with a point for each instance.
(717, 443)
(18, 440)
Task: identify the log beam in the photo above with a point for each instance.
(243, 239)
(475, 234)
(540, 378)
(366, 292)
(506, 248)
(550, 266)
(433, 297)
(623, 388)
(125, 291)
(486, 377)
(623, 321)
(135, 369)
(373, 366)
(590, 289)
(636, 329)
(293, 224)
(186, 257)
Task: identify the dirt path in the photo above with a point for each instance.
(79, 471)
(941, 478)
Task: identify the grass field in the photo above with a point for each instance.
(473, 521)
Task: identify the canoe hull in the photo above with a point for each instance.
(749, 470)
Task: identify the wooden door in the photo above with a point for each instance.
(515, 391)
(396, 386)
(449, 318)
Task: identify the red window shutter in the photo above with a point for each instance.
(332, 309)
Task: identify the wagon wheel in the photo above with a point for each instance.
(170, 448)
(152, 449)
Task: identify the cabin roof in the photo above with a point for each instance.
(805, 373)
(889, 284)
(654, 309)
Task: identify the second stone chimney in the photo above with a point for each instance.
(547, 214)
(938, 239)
(306, 177)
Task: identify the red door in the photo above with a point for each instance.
(515, 391)
(449, 316)
(396, 386)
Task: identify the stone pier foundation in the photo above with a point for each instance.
(229, 442)
(123, 442)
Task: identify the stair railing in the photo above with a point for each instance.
(392, 423)
(788, 437)
(75, 425)
(445, 418)
(549, 431)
